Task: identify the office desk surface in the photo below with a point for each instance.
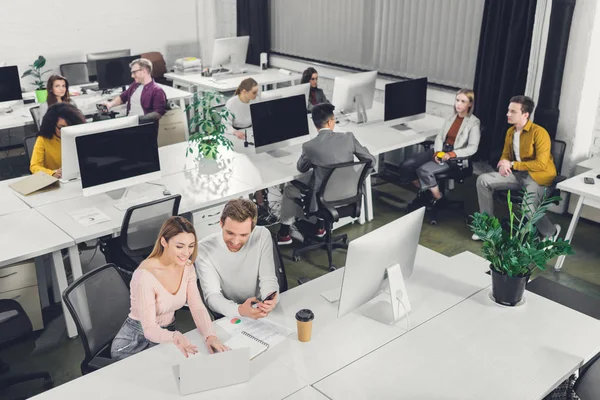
(307, 393)
(10, 202)
(27, 234)
(476, 350)
(576, 185)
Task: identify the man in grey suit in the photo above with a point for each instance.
(328, 148)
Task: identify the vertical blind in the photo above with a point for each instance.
(409, 38)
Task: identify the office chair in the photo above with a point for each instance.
(76, 73)
(99, 303)
(340, 195)
(587, 386)
(139, 230)
(35, 114)
(29, 144)
(159, 67)
(16, 325)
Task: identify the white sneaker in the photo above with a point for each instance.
(553, 237)
(475, 237)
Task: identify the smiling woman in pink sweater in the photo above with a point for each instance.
(161, 285)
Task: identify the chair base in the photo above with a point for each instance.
(330, 244)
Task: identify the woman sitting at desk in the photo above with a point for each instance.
(46, 155)
(161, 285)
(58, 92)
(459, 137)
(316, 95)
(239, 105)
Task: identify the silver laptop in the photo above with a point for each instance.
(201, 372)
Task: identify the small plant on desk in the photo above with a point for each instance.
(516, 250)
(207, 125)
(35, 70)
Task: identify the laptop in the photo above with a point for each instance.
(201, 372)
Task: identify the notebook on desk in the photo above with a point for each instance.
(245, 340)
(38, 182)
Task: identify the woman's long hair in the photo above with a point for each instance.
(247, 85)
(51, 97)
(307, 74)
(471, 96)
(173, 227)
(66, 111)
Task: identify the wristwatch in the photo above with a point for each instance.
(512, 164)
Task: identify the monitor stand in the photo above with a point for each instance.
(279, 153)
(391, 311)
(361, 111)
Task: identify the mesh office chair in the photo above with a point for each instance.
(587, 386)
(76, 73)
(35, 114)
(139, 230)
(159, 67)
(339, 196)
(99, 304)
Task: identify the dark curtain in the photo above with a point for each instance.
(253, 21)
(501, 71)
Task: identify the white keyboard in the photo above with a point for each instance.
(333, 295)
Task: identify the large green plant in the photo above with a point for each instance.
(35, 70)
(517, 249)
(207, 124)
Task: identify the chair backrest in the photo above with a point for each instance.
(29, 143)
(279, 267)
(558, 154)
(35, 114)
(343, 184)
(587, 385)
(99, 304)
(159, 65)
(76, 73)
(142, 223)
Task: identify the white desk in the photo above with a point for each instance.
(307, 393)
(10, 202)
(475, 350)
(589, 195)
(224, 83)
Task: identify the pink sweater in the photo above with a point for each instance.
(155, 307)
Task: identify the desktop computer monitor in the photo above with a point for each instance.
(114, 72)
(93, 57)
(354, 92)
(370, 256)
(279, 123)
(230, 51)
(70, 164)
(287, 92)
(10, 85)
(405, 99)
(118, 159)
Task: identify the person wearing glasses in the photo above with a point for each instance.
(316, 94)
(46, 155)
(144, 97)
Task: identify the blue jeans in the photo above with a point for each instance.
(131, 340)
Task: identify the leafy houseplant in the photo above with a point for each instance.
(35, 70)
(515, 251)
(207, 125)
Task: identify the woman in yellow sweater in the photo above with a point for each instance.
(46, 155)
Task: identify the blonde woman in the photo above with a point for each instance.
(161, 285)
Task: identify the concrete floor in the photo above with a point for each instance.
(451, 236)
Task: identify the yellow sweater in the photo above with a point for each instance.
(46, 155)
(536, 157)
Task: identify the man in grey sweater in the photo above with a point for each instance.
(236, 266)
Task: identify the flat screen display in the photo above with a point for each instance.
(279, 120)
(10, 85)
(405, 99)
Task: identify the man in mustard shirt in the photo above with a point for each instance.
(526, 162)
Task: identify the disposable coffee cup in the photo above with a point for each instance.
(440, 155)
(304, 319)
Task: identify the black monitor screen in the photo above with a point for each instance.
(406, 98)
(10, 85)
(116, 155)
(279, 120)
(114, 72)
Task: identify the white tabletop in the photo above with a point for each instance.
(578, 186)
(9, 201)
(27, 234)
(476, 350)
(307, 393)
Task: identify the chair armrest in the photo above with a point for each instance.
(303, 187)
(100, 362)
(334, 214)
(558, 179)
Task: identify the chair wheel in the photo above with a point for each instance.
(331, 269)
(433, 222)
(296, 258)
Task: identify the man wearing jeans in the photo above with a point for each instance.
(526, 162)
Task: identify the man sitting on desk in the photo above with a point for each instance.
(143, 97)
(236, 266)
(328, 148)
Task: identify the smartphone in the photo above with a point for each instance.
(101, 107)
(271, 296)
(588, 180)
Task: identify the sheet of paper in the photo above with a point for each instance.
(89, 216)
(263, 329)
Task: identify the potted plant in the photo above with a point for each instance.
(207, 125)
(35, 70)
(515, 250)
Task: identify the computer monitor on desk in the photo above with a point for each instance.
(229, 52)
(10, 88)
(286, 92)
(278, 124)
(114, 72)
(406, 100)
(93, 57)
(385, 255)
(354, 93)
(70, 163)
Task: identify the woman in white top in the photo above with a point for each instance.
(239, 105)
(58, 92)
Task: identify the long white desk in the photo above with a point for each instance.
(589, 195)
(10, 202)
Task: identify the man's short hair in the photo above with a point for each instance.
(143, 63)
(240, 210)
(321, 113)
(527, 104)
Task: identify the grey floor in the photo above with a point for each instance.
(61, 356)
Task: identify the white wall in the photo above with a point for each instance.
(595, 147)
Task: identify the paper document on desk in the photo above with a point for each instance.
(38, 182)
(89, 216)
(264, 330)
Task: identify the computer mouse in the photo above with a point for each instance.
(598, 176)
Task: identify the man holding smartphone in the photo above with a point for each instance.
(236, 267)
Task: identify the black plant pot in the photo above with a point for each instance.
(508, 290)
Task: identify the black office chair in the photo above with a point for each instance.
(99, 303)
(139, 230)
(35, 114)
(76, 73)
(16, 325)
(29, 144)
(587, 386)
(339, 196)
